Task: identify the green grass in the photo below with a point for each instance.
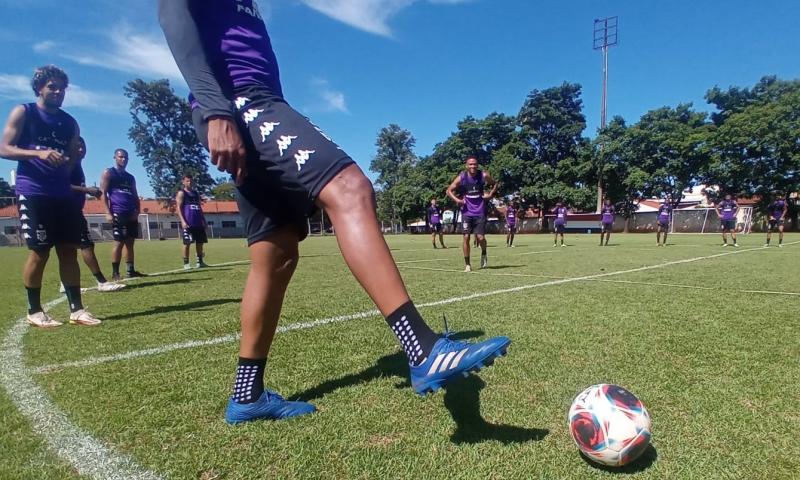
(717, 367)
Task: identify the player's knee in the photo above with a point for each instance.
(351, 189)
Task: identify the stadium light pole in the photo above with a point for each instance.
(605, 36)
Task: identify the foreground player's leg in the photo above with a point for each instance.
(465, 246)
(32, 279)
(484, 257)
(90, 259)
(116, 258)
(198, 250)
(185, 248)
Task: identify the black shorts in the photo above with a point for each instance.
(774, 224)
(124, 226)
(194, 235)
(476, 225)
(560, 227)
(86, 237)
(289, 161)
(511, 228)
(49, 221)
(728, 224)
(606, 227)
(664, 225)
(436, 228)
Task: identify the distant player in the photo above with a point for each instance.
(468, 190)
(776, 212)
(193, 222)
(663, 219)
(121, 201)
(726, 211)
(561, 212)
(511, 223)
(285, 168)
(43, 139)
(434, 218)
(607, 221)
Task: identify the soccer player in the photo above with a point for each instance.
(607, 221)
(43, 139)
(434, 218)
(285, 167)
(80, 190)
(777, 213)
(511, 223)
(193, 222)
(468, 190)
(726, 211)
(121, 201)
(560, 223)
(664, 215)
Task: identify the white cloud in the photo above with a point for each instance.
(43, 46)
(18, 89)
(369, 15)
(15, 87)
(331, 100)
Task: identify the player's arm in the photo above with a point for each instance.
(225, 144)
(179, 209)
(451, 190)
(104, 193)
(785, 209)
(490, 181)
(11, 133)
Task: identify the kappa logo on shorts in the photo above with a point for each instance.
(284, 142)
(301, 157)
(251, 115)
(240, 102)
(266, 129)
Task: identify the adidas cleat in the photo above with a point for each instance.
(43, 320)
(451, 359)
(269, 406)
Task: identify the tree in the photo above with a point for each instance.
(6, 193)
(223, 190)
(394, 160)
(164, 137)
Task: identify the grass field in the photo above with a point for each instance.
(707, 337)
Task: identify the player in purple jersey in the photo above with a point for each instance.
(284, 168)
(726, 211)
(121, 201)
(193, 222)
(468, 190)
(512, 213)
(606, 220)
(434, 218)
(560, 223)
(662, 221)
(44, 140)
(776, 214)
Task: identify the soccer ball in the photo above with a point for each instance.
(609, 424)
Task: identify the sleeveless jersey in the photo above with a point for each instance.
(511, 217)
(728, 208)
(191, 209)
(434, 215)
(776, 209)
(472, 188)
(121, 192)
(608, 214)
(44, 131)
(561, 215)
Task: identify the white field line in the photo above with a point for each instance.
(424, 261)
(365, 314)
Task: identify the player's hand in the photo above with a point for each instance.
(52, 157)
(109, 218)
(461, 201)
(184, 225)
(94, 191)
(226, 147)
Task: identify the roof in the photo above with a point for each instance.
(95, 207)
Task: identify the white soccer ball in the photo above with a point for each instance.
(609, 424)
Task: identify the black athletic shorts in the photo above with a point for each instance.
(436, 228)
(511, 228)
(194, 235)
(728, 224)
(476, 225)
(289, 161)
(775, 223)
(606, 227)
(124, 226)
(49, 221)
(664, 225)
(86, 237)
(560, 227)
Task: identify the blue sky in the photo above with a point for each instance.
(354, 66)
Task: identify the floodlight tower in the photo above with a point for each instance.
(605, 35)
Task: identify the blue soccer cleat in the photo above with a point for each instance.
(450, 359)
(269, 406)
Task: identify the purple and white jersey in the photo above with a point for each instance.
(122, 192)
(472, 187)
(44, 131)
(776, 209)
(77, 177)
(191, 209)
(664, 212)
(608, 214)
(728, 209)
(434, 215)
(561, 215)
(511, 217)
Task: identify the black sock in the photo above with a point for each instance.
(100, 277)
(414, 335)
(74, 298)
(466, 260)
(130, 267)
(34, 299)
(199, 259)
(249, 383)
(185, 260)
(483, 251)
(115, 268)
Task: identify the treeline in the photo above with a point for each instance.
(749, 145)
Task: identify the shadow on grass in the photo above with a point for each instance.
(200, 305)
(645, 461)
(501, 267)
(142, 283)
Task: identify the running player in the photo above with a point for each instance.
(284, 168)
(468, 189)
(776, 212)
(121, 201)
(726, 211)
(560, 223)
(193, 222)
(511, 223)
(434, 218)
(43, 139)
(607, 221)
(664, 216)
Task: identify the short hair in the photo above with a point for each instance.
(120, 150)
(188, 175)
(42, 75)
